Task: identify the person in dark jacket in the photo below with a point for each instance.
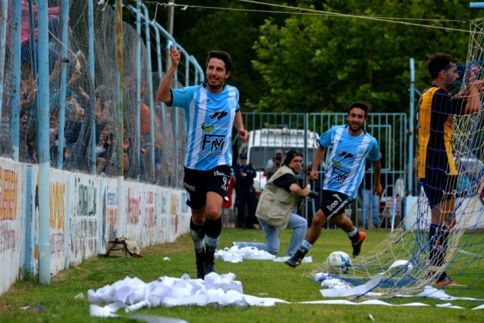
(245, 193)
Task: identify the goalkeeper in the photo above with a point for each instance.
(437, 171)
(276, 205)
(351, 147)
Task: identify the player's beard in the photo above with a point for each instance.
(451, 85)
(355, 127)
(215, 87)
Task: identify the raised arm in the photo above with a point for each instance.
(472, 91)
(163, 94)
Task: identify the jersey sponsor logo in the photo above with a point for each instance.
(333, 205)
(224, 179)
(206, 127)
(219, 173)
(340, 174)
(213, 143)
(360, 150)
(338, 197)
(346, 154)
(218, 115)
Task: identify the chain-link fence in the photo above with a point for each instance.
(98, 105)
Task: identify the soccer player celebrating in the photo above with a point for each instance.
(351, 147)
(211, 109)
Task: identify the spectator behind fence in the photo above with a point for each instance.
(26, 50)
(274, 163)
(102, 148)
(23, 147)
(28, 91)
(74, 120)
(145, 117)
(244, 187)
(371, 200)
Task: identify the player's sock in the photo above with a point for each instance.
(213, 228)
(296, 259)
(198, 236)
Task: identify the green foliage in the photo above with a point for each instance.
(289, 62)
(321, 63)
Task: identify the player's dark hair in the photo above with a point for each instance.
(290, 154)
(223, 55)
(438, 62)
(359, 104)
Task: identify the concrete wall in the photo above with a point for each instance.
(85, 212)
(469, 213)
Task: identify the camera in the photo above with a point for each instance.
(313, 195)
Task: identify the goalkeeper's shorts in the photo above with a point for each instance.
(438, 186)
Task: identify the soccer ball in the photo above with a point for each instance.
(338, 262)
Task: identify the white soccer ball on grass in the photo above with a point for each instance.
(338, 262)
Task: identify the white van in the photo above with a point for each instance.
(264, 142)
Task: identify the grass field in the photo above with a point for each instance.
(27, 301)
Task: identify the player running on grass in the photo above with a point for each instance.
(351, 147)
(211, 109)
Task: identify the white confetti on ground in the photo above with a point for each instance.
(235, 254)
(133, 294)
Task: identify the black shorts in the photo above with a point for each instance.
(438, 186)
(199, 182)
(333, 203)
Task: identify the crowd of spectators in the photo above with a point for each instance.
(84, 104)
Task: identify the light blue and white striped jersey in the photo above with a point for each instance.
(209, 121)
(346, 160)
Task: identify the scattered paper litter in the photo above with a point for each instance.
(449, 305)
(133, 294)
(235, 254)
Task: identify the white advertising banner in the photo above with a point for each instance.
(468, 212)
(110, 224)
(85, 212)
(150, 216)
(59, 190)
(132, 210)
(11, 223)
(85, 221)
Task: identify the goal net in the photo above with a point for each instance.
(455, 246)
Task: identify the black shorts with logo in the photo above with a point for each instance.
(333, 203)
(199, 182)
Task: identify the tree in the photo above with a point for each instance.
(321, 63)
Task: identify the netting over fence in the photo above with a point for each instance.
(90, 105)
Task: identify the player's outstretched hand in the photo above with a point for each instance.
(175, 56)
